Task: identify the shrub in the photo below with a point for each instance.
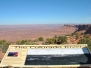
(40, 39)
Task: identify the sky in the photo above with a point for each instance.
(45, 12)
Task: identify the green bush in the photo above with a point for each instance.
(85, 40)
(57, 40)
(4, 45)
(50, 41)
(40, 39)
(62, 39)
(25, 42)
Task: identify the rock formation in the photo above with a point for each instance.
(86, 28)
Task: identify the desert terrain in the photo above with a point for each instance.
(13, 33)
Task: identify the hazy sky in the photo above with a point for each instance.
(45, 11)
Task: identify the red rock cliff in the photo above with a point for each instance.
(87, 28)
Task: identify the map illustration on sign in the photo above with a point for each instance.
(13, 54)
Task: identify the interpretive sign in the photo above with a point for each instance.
(29, 55)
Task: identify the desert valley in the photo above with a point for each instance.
(43, 34)
(12, 33)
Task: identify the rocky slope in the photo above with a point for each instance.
(86, 28)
